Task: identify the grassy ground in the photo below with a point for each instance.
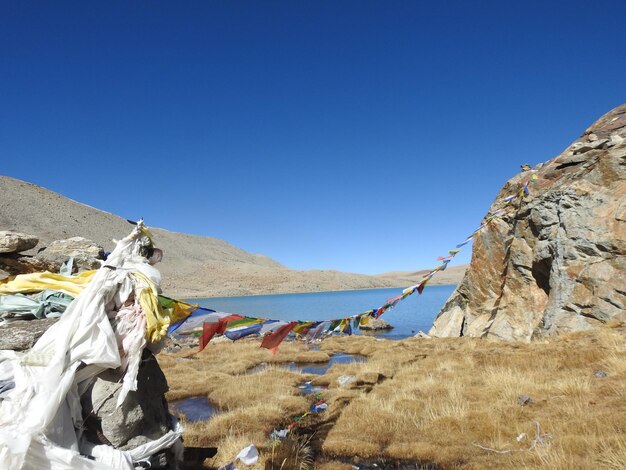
(451, 403)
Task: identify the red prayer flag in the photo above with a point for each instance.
(273, 340)
(420, 288)
(210, 329)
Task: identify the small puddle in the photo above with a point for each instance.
(307, 388)
(258, 368)
(322, 367)
(194, 409)
(317, 368)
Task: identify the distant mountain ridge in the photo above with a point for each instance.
(193, 266)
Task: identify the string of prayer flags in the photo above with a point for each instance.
(273, 332)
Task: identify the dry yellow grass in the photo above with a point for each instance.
(450, 402)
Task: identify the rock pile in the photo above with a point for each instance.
(558, 261)
(87, 255)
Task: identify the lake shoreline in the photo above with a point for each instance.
(415, 313)
(200, 297)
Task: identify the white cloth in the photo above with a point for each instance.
(248, 455)
(40, 419)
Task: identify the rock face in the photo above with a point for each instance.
(14, 242)
(86, 253)
(556, 259)
(20, 335)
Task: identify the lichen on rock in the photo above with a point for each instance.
(557, 262)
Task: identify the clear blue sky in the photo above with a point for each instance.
(353, 135)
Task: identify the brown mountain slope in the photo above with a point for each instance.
(451, 275)
(192, 265)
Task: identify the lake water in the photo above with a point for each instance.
(411, 315)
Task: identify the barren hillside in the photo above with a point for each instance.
(192, 266)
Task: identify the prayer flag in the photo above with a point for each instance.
(465, 242)
(345, 327)
(210, 329)
(302, 328)
(380, 311)
(271, 325)
(334, 324)
(316, 332)
(273, 340)
(420, 288)
(245, 321)
(242, 331)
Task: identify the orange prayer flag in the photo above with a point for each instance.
(273, 340)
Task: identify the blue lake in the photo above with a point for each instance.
(411, 315)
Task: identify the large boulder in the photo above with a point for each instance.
(15, 242)
(376, 324)
(144, 414)
(86, 254)
(556, 260)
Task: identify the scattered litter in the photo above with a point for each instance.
(524, 400)
(248, 456)
(345, 380)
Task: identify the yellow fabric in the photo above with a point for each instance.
(298, 329)
(157, 319)
(365, 319)
(178, 310)
(37, 282)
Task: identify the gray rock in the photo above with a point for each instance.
(524, 400)
(600, 374)
(555, 261)
(377, 324)
(21, 335)
(15, 242)
(86, 253)
(142, 417)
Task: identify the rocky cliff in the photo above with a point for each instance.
(556, 260)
